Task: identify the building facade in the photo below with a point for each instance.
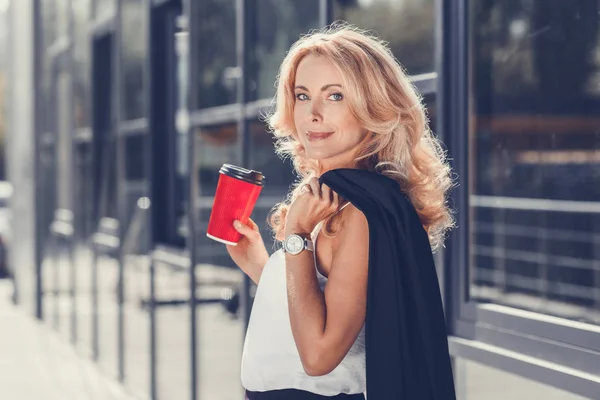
(120, 114)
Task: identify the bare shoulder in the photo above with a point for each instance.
(354, 229)
(351, 245)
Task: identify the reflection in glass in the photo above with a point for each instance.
(104, 8)
(279, 173)
(134, 53)
(278, 24)
(215, 145)
(535, 156)
(62, 17)
(81, 63)
(135, 157)
(407, 25)
(49, 22)
(215, 62)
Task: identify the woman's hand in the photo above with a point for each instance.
(250, 254)
(315, 204)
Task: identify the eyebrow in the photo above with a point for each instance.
(323, 88)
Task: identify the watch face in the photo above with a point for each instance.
(294, 244)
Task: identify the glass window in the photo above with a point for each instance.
(215, 146)
(104, 8)
(278, 173)
(134, 52)
(134, 157)
(49, 22)
(535, 156)
(216, 61)
(278, 24)
(81, 63)
(407, 25)
(62, 17)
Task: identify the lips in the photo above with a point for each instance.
(314, 136)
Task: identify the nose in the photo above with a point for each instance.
(315, 113)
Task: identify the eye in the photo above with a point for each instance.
(336, 96)
(301, 96)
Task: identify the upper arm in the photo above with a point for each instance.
(346, 289)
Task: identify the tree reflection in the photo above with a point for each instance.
(407, 25)
(216, 61)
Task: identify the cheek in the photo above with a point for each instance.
(354, 129)
(298, 117)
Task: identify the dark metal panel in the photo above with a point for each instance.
(154, 54)
(117, 83)
(245, 21)
(325, 12)
(528, 367)
(193, 210)
(38, 115)
(443, 268)
(453, 106)
(71, 239)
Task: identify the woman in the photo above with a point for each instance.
(363, 304)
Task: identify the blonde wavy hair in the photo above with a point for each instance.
(381, 97)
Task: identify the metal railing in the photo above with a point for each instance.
(546, 249)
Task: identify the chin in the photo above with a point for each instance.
(318, 155)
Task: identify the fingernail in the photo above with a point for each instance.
(237, 224)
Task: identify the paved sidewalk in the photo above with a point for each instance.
(35, 363)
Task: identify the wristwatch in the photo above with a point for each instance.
(294, 244)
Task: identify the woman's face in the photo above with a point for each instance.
(325, 126)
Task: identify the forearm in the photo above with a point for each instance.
(253, 271)
(306, 305)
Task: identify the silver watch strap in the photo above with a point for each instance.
(308, 244)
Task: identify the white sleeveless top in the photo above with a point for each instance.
(270, 359)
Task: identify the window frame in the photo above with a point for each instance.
(553, 350)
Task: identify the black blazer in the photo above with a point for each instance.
(405, 331)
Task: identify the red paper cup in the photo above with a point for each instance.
(237, 192)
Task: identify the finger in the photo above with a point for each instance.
(252, 224)
(245, 230)
(315, 187)
(305, 189)
(336, 199)
(327, 193)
